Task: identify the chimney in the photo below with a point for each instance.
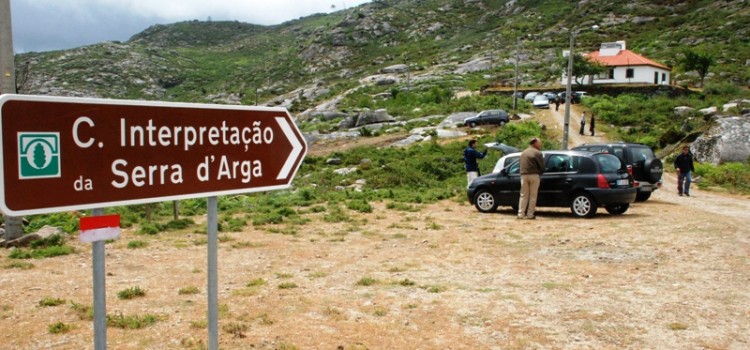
(611, 49)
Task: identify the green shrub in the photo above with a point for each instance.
(366, 281)
(59, 327)
(137, 244)
(724, 88)
(131, 322)
(188, 290)
(46, 252)
(256, 282)
(287, 285)
(148, 228)
(178, 224)
(131, 293)
(65, 221)
(48, 301)
(360, 205)
(734, 176)
(19, 265)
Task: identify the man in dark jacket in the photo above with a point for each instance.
(532, 166)
(684, 166)
(470, 161)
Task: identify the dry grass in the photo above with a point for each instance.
(466, 280)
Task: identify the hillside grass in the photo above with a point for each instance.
(651, 120)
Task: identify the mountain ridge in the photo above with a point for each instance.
(232, 62)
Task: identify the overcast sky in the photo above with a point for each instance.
(43, 25)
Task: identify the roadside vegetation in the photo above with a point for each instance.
(651, 120)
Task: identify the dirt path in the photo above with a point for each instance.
(556, 120)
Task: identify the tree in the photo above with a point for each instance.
(582, 67)
(40, 156)
(697, 61)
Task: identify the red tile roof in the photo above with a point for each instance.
(625, 58)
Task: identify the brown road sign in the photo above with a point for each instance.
(63, 154)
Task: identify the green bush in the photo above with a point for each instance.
(148, 228)
(59, 327)
(131, 322)
(40, 253)
(65, 221)
(734, 177)
(723, 88)
(131, 293)
(137, 244)
(178, 224)
(48, 301)
(360, 205)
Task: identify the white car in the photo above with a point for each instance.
(540, 101)
(530, 96)
(505, 161)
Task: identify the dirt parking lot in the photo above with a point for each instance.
(672, 273)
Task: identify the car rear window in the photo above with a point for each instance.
(608, 163)
(640, 154)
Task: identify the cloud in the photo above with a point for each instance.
(40, 25)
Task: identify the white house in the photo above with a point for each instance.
(625, 67)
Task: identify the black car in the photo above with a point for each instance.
(583, 181)
(492, 116)
(647, 170)
(574, 97)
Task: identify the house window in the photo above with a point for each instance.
(612, 73)
(629, 73)
(663, 76)
(608, 74)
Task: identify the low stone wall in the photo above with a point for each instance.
(612, 90)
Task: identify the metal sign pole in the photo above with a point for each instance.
(100, 300)
(568, 93)
(213, 283)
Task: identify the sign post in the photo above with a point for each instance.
(96, 229)
(213, 274)
(94, 153)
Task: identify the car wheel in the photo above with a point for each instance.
(502, 123)
(642, 196)
(618, 209)
(485, 201)
(583, 205)
(473, 124)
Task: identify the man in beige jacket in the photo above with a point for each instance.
(532, 166)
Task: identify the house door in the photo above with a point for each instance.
(656, 78)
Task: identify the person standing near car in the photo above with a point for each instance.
(470, 161)
(557, 103)
(684, 166)
(583, 123)
(592, 124)
(532, 166)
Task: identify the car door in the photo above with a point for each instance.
(493, 118)
(509, 184)
(558, 179)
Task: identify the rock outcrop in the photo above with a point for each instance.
(727, 141)
(373, 117)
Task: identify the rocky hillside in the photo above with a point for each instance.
(467, 43)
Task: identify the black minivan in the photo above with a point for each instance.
(583, 181)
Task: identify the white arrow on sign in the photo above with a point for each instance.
(296, 148)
